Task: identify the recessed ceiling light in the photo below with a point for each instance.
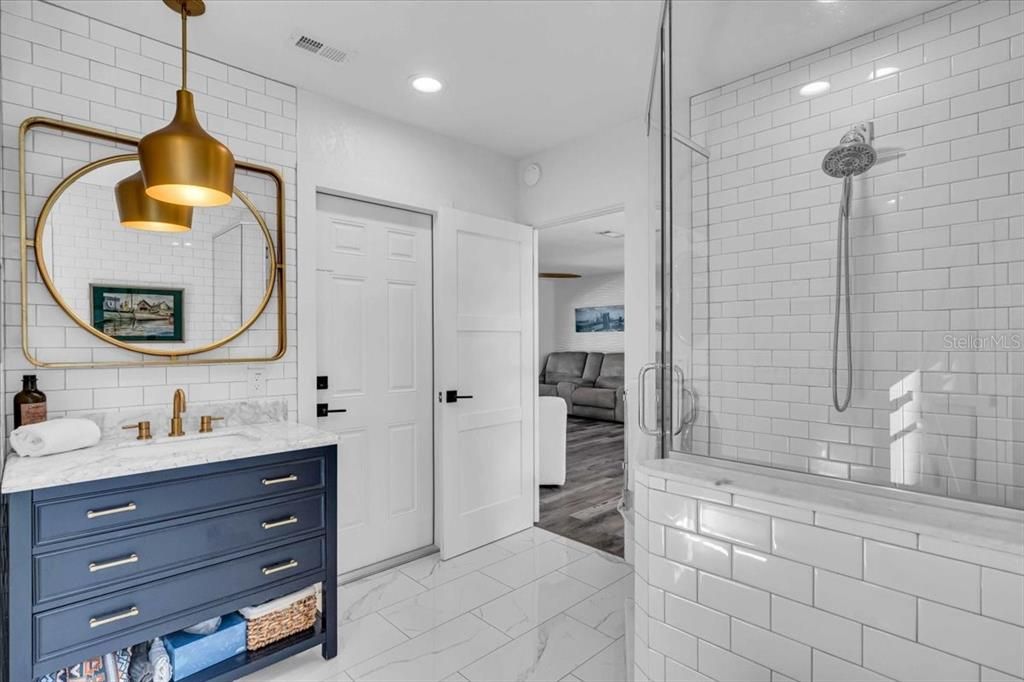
(611, 234)
(427, 84)
(884, 71)
(815, 88)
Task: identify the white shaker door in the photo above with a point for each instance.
(484, 349)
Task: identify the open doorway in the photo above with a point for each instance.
(581, 339)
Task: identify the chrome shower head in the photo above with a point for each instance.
(853, 156)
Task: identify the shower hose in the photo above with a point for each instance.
(843, 273)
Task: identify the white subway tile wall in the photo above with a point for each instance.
(937, 248)
(923, 615)
(58, 63)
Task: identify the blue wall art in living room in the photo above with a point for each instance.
(605, 318)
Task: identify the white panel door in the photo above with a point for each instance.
(374, 345)
(485, 346)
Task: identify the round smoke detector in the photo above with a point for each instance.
(531, 174)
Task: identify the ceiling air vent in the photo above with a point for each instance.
(317, 47)
(333, 53)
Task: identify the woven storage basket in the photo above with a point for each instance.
(264, 630)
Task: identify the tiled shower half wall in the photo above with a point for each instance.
(937, 261)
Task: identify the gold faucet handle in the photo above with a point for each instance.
(206, 423)
(143, 429)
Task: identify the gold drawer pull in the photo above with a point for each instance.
(284, 479)
(113, 618)
(131, 559)
(96, 513)
(270, 570)
(267, 525)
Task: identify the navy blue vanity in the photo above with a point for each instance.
(95, 566)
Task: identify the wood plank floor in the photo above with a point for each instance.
(584, 509)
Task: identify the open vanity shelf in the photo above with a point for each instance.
(243, 664)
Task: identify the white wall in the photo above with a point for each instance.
(936, 244)
(350, 151)
(606, 172)
(546, 305)
(64, 65)
(561, 298)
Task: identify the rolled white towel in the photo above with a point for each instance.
(52, 437)
(162, 670)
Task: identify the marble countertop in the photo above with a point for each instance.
(972, 523)
(112, 458)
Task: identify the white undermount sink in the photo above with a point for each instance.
(193, 443)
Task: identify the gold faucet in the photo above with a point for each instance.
(179, 407)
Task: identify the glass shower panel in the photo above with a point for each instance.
(690, 349)
(935, 260)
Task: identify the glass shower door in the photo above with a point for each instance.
(671, 382)
(649, 433)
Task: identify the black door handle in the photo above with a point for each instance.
(454, 397)
(322, 411)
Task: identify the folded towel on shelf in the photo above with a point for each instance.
(207, 627)
(160, 660)
(141, 670)
(254, 612)
(52, 437)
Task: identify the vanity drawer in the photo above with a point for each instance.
(126, 507)
(68, 572)
(64, 630)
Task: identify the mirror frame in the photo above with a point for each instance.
(186, 356)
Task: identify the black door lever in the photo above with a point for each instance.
(322, 411)
(454, 397)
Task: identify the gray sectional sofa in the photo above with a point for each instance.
(590, 383)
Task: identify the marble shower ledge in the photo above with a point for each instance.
(965, 522)
(113, 458)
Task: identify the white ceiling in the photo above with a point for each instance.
(521, 76)
(577, 248)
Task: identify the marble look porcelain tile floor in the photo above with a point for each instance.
(533, 606)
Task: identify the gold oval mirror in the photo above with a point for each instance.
(158, 293)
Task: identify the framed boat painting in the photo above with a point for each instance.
(152, 314)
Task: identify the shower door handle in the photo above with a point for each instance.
(687, 418)
(642, 402)
(677, 375)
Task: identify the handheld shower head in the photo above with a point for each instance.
(853, 156)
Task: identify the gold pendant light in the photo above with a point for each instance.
(138, 211)
(181, 162)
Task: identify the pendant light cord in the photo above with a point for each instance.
(184, 47)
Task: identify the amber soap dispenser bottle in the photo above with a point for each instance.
(29, 403)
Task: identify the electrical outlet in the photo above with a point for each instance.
(257, 381)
